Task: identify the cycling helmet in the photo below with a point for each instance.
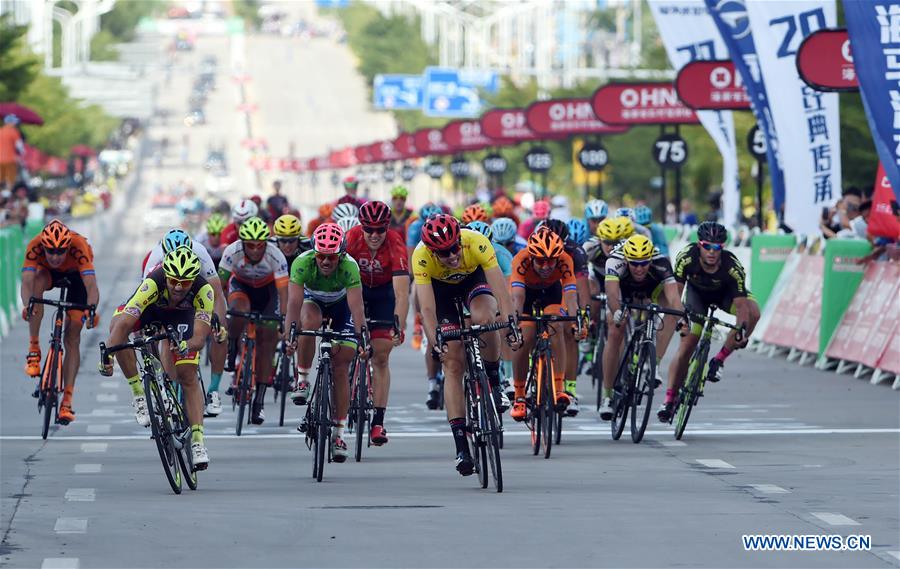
(175, 238)
(440, 232)
(216, 224)
(399, 192)
(375, 214)
(503, 207)
(638, 248)
(481, 227)
(643, 215)
(474, 212)
(181, 263)
(244, 210)
(625, 212)
(348, 223)
(712, 232)
(430, 209)
(55, 235)
(626, 227)
(325, 210)
(611, 229)
(578, 231)
(328, 239)
(541, 209)
(557, 226)
(545, 243)
(595, 209)
(254, 229)
(344, 210)
(287, 226)
(504, 230)
(350, 182)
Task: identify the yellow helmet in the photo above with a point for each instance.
(638, 248)
(614, 228)
(626, 227)
(288, 226)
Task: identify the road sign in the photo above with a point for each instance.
(494, 164)
(446, 95)
(756, 143)
(538, 160)
(481, 78)
(397, 92)
(670, 151)
(593, 157)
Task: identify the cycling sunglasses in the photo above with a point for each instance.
(610, 243)
(639, 263)
(56, 251)
(287, 240)
(543, 261)
(711, 246)
(254, 245)
(184, 283)
(330, 257)
(448, 252)
(374, 230)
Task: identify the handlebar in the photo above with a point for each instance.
(654, 308)
(168, 334)
(474, 330)
(63, 304)
(254, 316)
(702, 318)
(549, 318)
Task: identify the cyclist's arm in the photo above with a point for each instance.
(224, 274)
(282, 290)
(294, 303)
(425, 294)
(124, 323)
(401, 298)
(357, 308)
(570, 298)
(219, 294)
(517, 296)
(613, 296)
(90, 284)
(203, 309)
(670, 289)
(27, 285)
(497, 282)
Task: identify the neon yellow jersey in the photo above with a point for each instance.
(477, 252)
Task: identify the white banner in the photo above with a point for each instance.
(689, 34)
(807, 120)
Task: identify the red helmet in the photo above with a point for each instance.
(328, 239)
(440, 232)
(375, 214)
(351, 181)
(56, 235)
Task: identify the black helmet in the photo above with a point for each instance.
(712, 232)
(557, 226)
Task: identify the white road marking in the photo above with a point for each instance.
(895, 554)
(714, 463)
(104, 413)
(769, 489)
(107, 398)
(88, 468)
(98, 429)
(110, 384)
(80, 495)
(94, 447)
(71, 525)
(673, 443)
(835, 519)
(60, 563)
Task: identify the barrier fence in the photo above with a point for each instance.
(13, 239)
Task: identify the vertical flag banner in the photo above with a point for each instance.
(874, 27)
(730, 17)
(808, 120)
(689, 34)
(882, 221)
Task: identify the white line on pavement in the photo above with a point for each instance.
(70, 525)
(673, 443)
(714, 463)
(102, 429)
(94, 447)
(60, 563)
(110, 384)
(104, 413)
(107, 398)
(88, 468)
(895, 554)
(769, 489)
(835, 519)
(80, 495)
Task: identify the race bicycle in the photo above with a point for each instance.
(245, 370)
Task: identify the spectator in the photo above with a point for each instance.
(11, 148)
(839, 217)
(276, 203)
(671, 214)
(688, 217)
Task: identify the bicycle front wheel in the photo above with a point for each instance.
(243, 392)
(284, 382)
(642, 394)
(621, 400)
(49, 395)
(687, 398)
(323, 424)
(491, 432)
(360, 399)
(181, 433)
(160, 429)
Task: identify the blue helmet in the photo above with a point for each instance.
(480, 227)
(428, 210)
(175, 238)
(625, 212)
(643, 215)
(595, 209)
(504, 230)
(578, 231)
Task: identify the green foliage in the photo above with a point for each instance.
(18, 67)
(249, 11)
(122, 20)
(859, 160)
(103, 47)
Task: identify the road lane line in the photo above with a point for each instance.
(86, 468)
(107, 398)
(769, 489)
(80, 495)
(104, 413)
(110, 384)
(714, 463)
(60, 563)
(71, 525)
(98, 429)
(895, 554)
(94, 447)
(673, 443)
(835, 519)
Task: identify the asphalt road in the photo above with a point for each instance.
(773, 449)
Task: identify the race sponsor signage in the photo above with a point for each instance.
(494, 164)
(405, 145)
(430, 141)
(388, 174)
(593, 157)
(641, 103)
(384, 151)
(363, 154)
(670, 151)
(563, 117)
(507, 124)
(407, 172)
(459, 167)
(435, 170)
(713, 85)
(882, 220)
(538, 160)
(465, 135)
(825, 62)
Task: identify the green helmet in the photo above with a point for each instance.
(254, 229)
(399, 192)
(216, 224)
(181, 263)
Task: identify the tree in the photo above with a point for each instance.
(18, 67)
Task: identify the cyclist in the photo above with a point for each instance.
(351, 187)
(595, 211)
(325, 284)
(504, 232)
(643, 216)
(380, 253)
(325, 211)
(543, 274)
(348, 223)
(540, 212)
(289, 237)
(414, 232)
(257, 274)
(400, 214)
(504, 207)
(474, 212)
(344, 211)
(452, 264)
(241, 212)
(709, 274)
(58, 253)
(177, 294)
(432, 365)
(211, 239)
(638, 228)
(635, 270)
(578, 231)
(610, 232)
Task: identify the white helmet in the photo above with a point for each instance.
(244, 210)
(344, 210)
(347, 223)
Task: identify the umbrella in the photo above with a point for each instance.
(82, 150)
(26, 115)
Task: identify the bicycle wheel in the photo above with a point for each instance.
(161, 429)
(284, 381)
(548, 421)
(360, 399)
(597, 364)
(323, 422)
(690, 391)
(642, 393)
(491, 433)
(621, 401)
(49, 395)
(181, 433)
(243, 391)
(558, 432)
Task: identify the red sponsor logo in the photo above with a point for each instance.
(431, 141)
(641, 103)
(465, 135)
(715, 85)
(507, 124)
(825, 61)
(567, 116)
(405, 144)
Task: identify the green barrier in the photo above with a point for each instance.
(32, 228)
(767, 258)
(6, 283)
(670, 231)
(842, 277)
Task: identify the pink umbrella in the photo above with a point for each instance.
(25, 115)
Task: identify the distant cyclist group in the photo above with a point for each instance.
(257, 291)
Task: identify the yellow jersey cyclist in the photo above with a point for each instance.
(708, 274)
(635, 272)
(325, 285)
(175, 294)
(257, 274)
(289, 237)
(451, 264)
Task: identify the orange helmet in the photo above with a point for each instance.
(325, 209)
(545, 243)
(474, 213)
(55, 235)
(503, 207)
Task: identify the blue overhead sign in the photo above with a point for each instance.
(447, 95)
(397, 92)
(332, 3)
(483, 79)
